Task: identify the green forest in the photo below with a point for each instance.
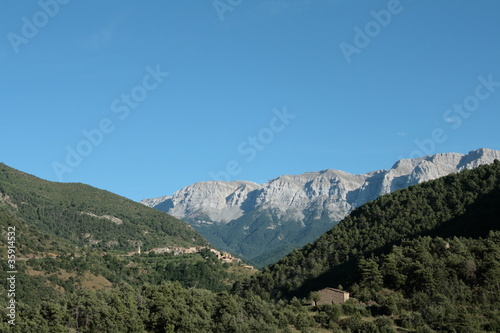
(54, 216)
(422, 259)
(445, 230)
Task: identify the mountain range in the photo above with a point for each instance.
(264, 222)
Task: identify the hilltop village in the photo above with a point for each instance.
(222, 256)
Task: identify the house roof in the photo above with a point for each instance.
(335, 290)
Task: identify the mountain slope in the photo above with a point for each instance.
(54, 217)
(264, 222)
(464, 204)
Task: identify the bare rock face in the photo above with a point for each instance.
(335, 191)
(208, 202)
(303, 199)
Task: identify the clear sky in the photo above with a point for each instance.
(142, 98)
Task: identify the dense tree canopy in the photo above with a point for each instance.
(464, 204)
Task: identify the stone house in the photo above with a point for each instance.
(332, 296)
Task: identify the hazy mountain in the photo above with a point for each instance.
(264, 222)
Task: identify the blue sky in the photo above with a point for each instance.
(142, 98)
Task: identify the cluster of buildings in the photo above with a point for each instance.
(222, 256)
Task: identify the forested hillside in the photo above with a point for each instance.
(464, 204)
(50, 217)
(430, 252)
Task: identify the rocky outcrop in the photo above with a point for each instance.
(104, 217)
(211, 201)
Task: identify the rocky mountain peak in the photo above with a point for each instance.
(337, 191)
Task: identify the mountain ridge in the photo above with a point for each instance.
(231, 214)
